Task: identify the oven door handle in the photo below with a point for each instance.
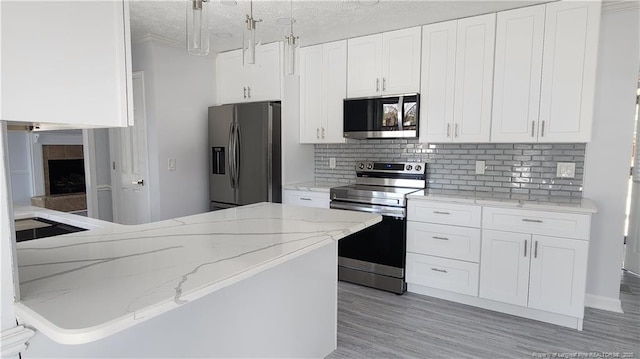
(399, 213)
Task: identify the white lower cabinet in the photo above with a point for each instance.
(306, 198)
(539, 272)
(530, 263)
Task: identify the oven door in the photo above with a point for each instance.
(379, 249)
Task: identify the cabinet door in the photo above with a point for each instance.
(231, 77)
(437, 81)
(311, 93)
(558, 275)
(474, 78)
(504, 266)
(334, 84)
(569, 71)
(266, 74)
(67, 63)
(518, 67)
(401, 61)
(364, 66)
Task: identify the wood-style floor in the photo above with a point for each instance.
(376, 324)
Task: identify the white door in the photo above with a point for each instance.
(364, 66)
(129, 163)
(474, 78)
(632, 248)
(437, 81)
(401, 61)
(311, 94)
(558, 275)
(334, 90)
(518, 67)
(569, 70)
(504, 266)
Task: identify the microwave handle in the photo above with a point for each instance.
(400, 113)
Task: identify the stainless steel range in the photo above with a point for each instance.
(375, 257)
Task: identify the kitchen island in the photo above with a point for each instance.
(252, 281)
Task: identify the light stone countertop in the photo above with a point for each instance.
(557, 204)
(314, 186)
(84, 286)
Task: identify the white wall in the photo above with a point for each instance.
(608, 155)
(179, 90)
(19, 147)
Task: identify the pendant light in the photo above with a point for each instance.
(290, 46)
(249, 38)
(198, 27)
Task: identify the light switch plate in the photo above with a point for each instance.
(566, 170)
(172, 164)
(332, 162)
(480, 167)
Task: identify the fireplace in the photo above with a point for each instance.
(66, 176)
(64, 179)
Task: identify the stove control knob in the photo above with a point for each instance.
(369, 166)
(418, 168)
(361, 166)
(409, 167)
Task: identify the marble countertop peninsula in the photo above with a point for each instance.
(314, 186)
(85, 286)
(559, 204)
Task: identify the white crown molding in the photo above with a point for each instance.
(14, 340)
(619, 5)
(163, 40)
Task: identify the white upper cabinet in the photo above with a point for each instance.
(545, 73)
(474, 78)
(384, 64)
(401, 61)
(67, 63)
(456, 80)
(323, 72)
(364, 66)
(569, 71)
(258, 82)
(518, 67)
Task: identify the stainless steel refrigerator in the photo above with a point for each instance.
(245, 155)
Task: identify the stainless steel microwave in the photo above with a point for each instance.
(382, 117)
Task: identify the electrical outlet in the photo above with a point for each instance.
(172, 164)
(480, 167)
(566, 169)
(332, 162)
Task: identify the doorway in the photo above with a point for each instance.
(631, 258)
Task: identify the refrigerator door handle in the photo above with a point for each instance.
(230, 154)
(237, 154)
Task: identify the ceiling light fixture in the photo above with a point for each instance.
(198, 27)
(249, 38)
(291, 44)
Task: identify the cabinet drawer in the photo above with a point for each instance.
(444, 213)
(557, 224)
(445, 274)
(306, 198)
(461, 243)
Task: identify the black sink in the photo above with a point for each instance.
(35, 228)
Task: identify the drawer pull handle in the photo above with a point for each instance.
(438, 212)
(531, 220)
(442, 238)
(439, 270)
(305, 199)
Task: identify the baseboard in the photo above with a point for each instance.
(604, 303)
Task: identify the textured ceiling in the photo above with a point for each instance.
(316, 21)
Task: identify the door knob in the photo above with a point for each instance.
(138, 182)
